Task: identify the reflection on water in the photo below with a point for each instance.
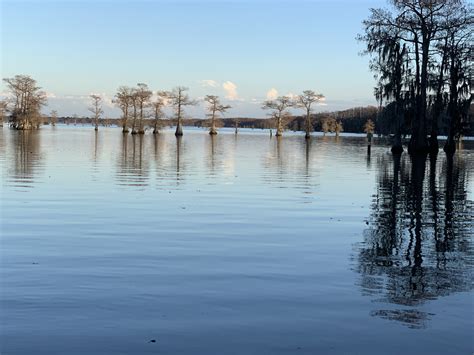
(132, 167)
(273, 245)
(418, 246)
(25, 160)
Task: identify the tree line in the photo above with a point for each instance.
(421, 55)
(142, 108)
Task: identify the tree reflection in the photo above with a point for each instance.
(26, 157)
(133, 168)
(418, 245)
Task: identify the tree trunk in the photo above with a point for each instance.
(308, 125)
(213, 130)
(279, 130)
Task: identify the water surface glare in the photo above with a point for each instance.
(244, 244)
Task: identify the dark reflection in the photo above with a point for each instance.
(132, 165)
(418, 245)
(292, 163)
(212, 155)
(179, 172)
(26, 157)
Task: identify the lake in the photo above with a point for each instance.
(233, 244)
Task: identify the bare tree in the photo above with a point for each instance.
(157, 106)
(123, 99)
(96, 109)
(178, 99)
(280, 112)
(27, 99)
(215, 108)
(54, 117)
(143, 96)
(306, 101)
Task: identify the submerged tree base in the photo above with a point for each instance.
(212, 132)
(179, 131)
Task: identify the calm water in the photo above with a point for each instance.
(231, 245)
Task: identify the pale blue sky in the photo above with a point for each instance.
(74, 48)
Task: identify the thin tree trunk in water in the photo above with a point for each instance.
(397, 146)
(179, 129)
(279, 130)
(213, 130)
(308, 124)
(134, 122)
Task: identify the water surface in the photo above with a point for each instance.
(244, 244)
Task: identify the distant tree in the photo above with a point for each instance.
(279, 113)
(123, 99)
(305, 101)
(369, 126)
(54, 117)
(325, 125)
(157, 106)
(178, 99)
(96, 109)
(338, 127)
(27, 99)
(214, 108)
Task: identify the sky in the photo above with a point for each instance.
(244, 51)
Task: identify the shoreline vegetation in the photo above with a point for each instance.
(421, 56)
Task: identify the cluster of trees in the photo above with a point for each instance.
(140, 103)
(422, 58)
(332, 125)
(281, 115)
(26, 102)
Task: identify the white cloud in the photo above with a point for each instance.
(231, 90)
(272, 94)
(292, 96)
(209, 83)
